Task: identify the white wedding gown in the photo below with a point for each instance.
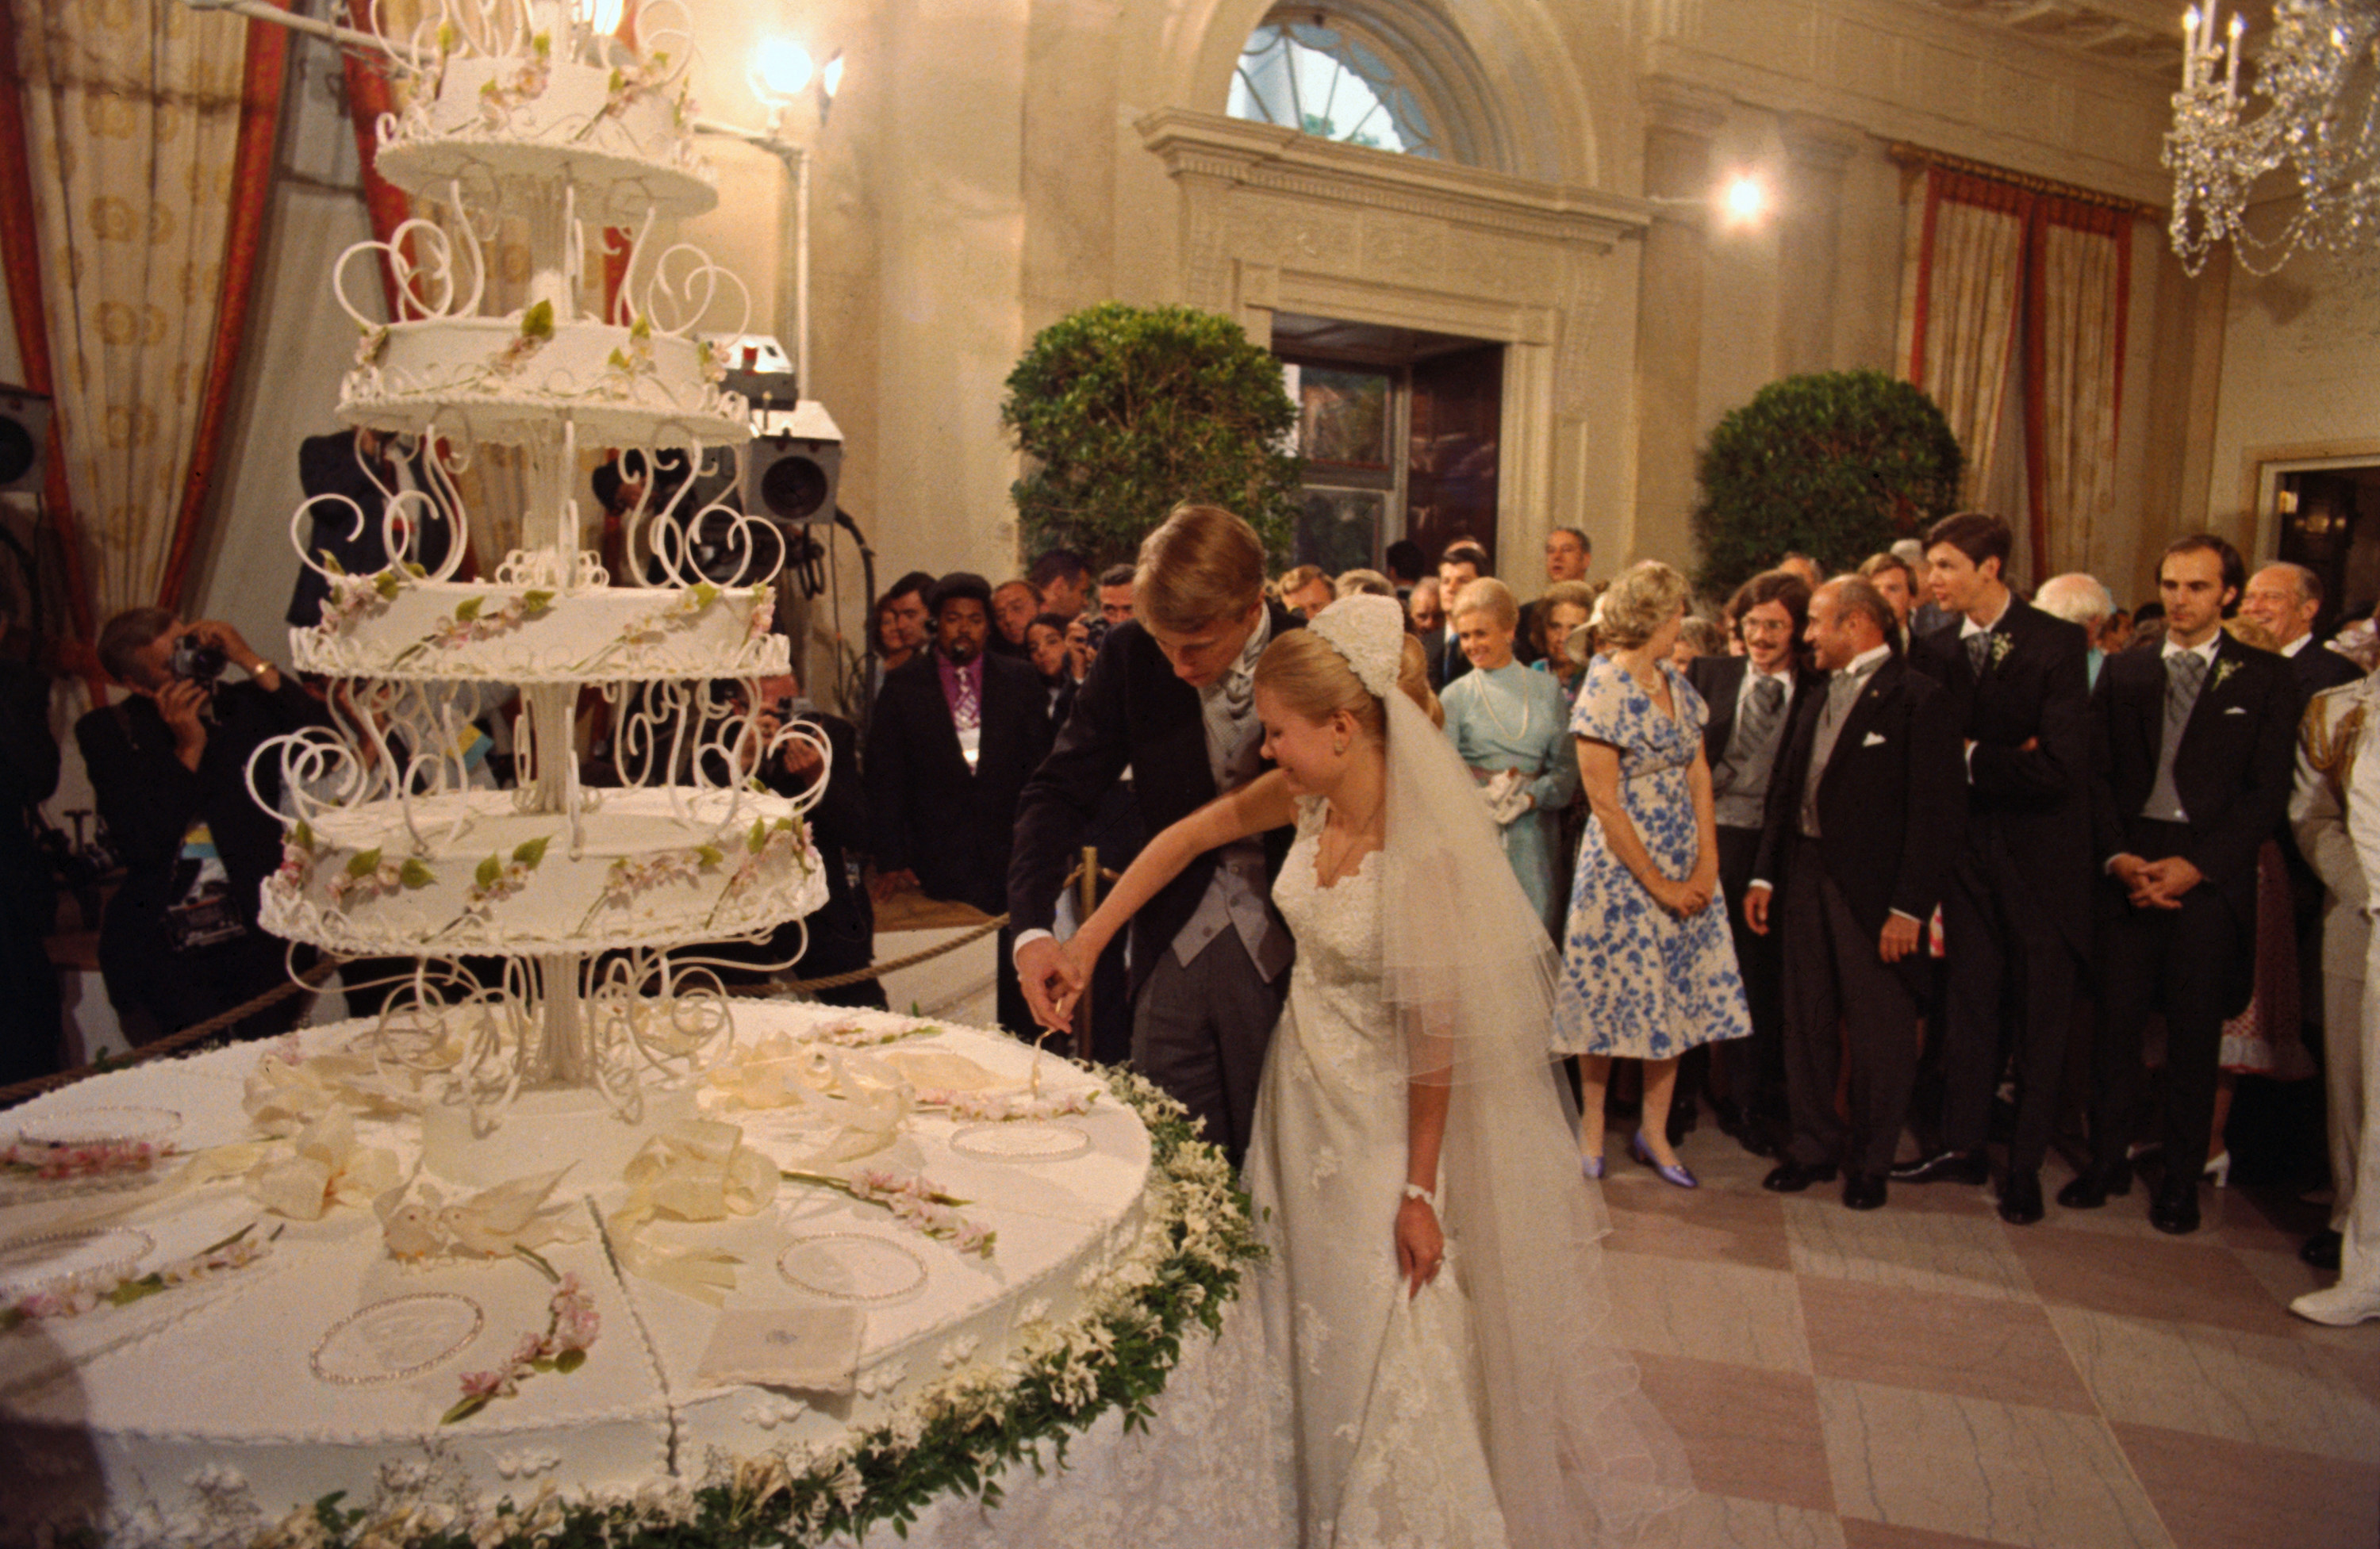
(1383, 1422)
(1333, 1411)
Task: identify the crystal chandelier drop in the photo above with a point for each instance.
(2319, 74)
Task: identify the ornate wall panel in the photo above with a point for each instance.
(1274, 221)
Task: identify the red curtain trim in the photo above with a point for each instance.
(1924, 281)
(20, 253)
(2037, 392)
(368, 97)
(260, 128)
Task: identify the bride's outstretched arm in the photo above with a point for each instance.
(1421, 1245)
(1261, 804)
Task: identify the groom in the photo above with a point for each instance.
(1169, 698)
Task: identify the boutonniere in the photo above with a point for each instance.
(2223, 670)
(2001, 646)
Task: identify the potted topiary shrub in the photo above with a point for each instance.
(1835, 464)
(1125, 411)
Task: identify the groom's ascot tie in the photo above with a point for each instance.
(1842, 688)
(2185, 673)
(1234, 900)
(1741, 778)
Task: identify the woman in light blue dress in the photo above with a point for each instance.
(1507, 722)
(1648, 970)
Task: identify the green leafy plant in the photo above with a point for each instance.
(1126, 411)
(1835, 464)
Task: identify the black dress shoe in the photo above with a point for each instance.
(1946, 1167)
(2321, 1249)
(2090, 1188)
(1755, 1139)
(1792, 1177)
(2176, 1210)
(2021, 1199)
(1863, 1191)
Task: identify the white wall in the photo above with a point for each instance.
(2300, 381)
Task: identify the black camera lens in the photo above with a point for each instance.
(197, 660)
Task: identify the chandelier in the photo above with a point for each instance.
(2317, 73)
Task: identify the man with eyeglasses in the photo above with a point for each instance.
(1751, 698)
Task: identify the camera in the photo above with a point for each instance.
(197, 660)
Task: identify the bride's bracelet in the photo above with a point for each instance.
(1416, 1191)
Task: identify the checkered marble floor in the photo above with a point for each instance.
(1925, 1376)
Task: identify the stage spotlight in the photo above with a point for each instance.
(1744, 199)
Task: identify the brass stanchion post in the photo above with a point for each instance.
(1087, 898)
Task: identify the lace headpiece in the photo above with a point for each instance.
(1370, 631)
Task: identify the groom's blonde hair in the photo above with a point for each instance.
(1201, 566)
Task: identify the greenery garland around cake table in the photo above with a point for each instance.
(956, 1434)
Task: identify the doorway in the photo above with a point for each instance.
(2330, 521)
(1401, 433)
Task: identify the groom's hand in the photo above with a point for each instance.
(1041, 968)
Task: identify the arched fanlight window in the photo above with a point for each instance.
(1335, 78)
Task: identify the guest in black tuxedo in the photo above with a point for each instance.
(1171, 698)
(1862, 820)
(2287, 599)
(346, 464)
(1752, 698)
(1463, 563)
(169, 770)
(2016, 920)
(2192, 754)
(956, 736)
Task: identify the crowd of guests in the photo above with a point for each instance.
(1897, 851)
(1901, 851)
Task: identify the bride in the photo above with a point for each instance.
(1430, 1307)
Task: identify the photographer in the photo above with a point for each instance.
(169, 767)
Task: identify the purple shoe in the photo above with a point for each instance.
(1677, 1176)
(1591, 1166)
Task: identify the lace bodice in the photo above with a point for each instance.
(1338, 928)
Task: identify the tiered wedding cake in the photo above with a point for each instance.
(563, 1216)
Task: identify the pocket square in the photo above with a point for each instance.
(2237, 709)
(1873, 739)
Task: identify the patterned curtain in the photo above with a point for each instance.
(132, 112)
(2079, 291)
(1963, 267)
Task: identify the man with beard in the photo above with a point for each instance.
(956, 736)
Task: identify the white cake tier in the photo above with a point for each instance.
(620, 144)
(329, 1363)
(470, 873)
(507, 386)
(393, 626)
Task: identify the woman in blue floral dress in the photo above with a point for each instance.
(1648, 970)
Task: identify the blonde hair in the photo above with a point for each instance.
(1487, 595)
(1202, 564)
(1298, 575)
(1646, 596)
(1306, 674)
(1370, 582)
